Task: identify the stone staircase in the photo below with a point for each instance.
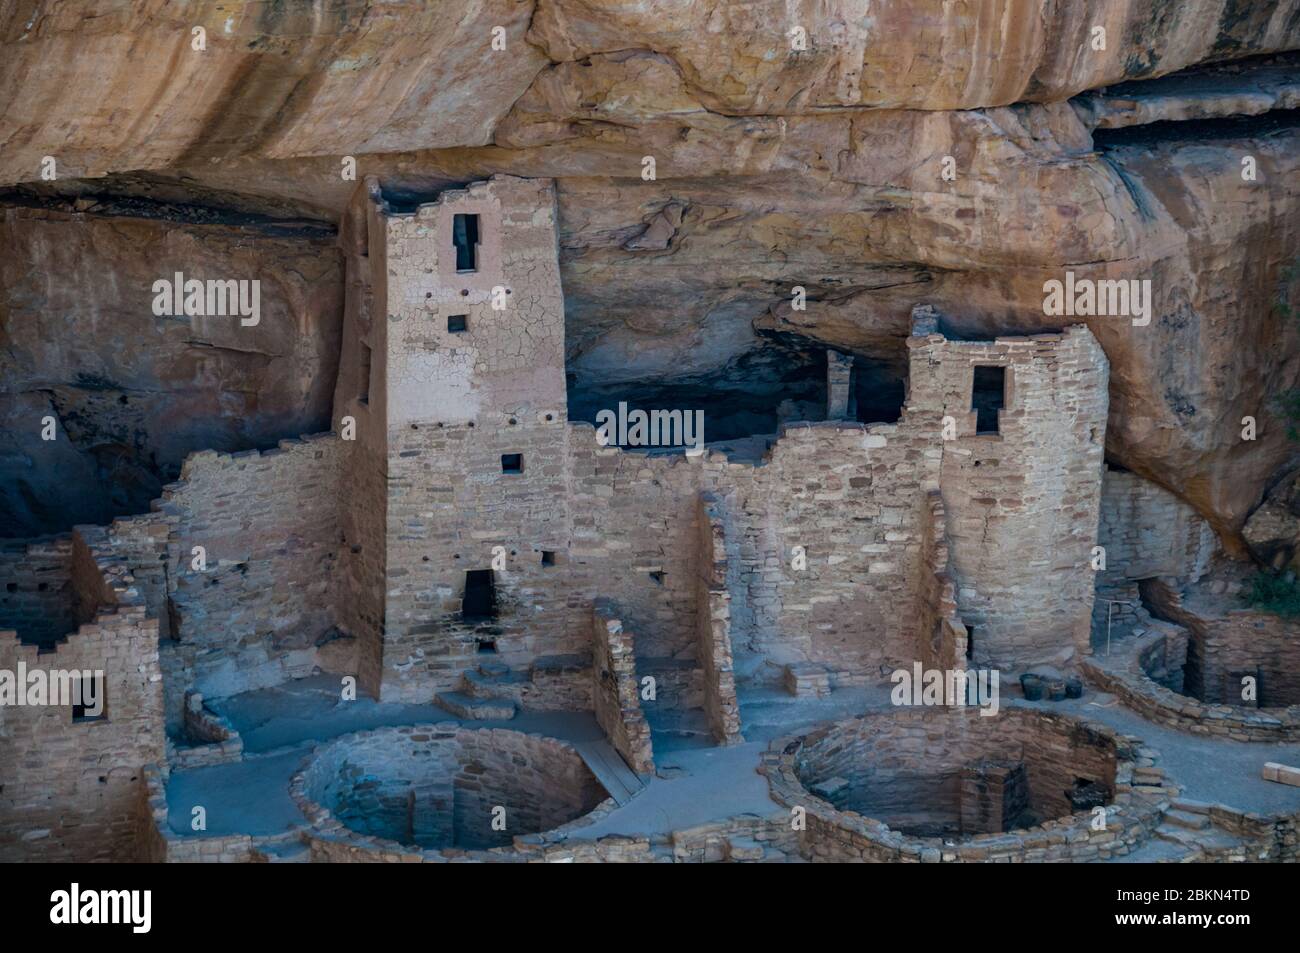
(483, 693)
(1188, 825)
(288, 848)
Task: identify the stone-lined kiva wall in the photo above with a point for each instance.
(72, 791)
(616, 692)
(1022, 503)
(921, 742)
(1128, 673)
(1147, 532)
(721, 706)
(442, 786)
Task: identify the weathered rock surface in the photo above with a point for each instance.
(773, 169)
(1273, 530)
(134, 393)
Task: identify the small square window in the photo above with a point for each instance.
(548, 558)
(512, 463)
(457, 323)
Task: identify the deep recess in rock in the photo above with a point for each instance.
(1199, 130)
(752, 395)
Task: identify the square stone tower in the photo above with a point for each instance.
(453, 372)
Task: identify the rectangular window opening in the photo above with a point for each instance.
(512, 463)
(464, 236)
(548, 558)
(363, 387)
(988, 396)
(479, 604)
(458, 323)
(487, 646)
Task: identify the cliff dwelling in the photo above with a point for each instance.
(603, 452)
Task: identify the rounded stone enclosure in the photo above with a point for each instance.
(914, 782)
(436, 787)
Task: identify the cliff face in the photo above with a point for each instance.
(773, 168)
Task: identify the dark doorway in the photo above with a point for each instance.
(464, 235)
(988, 396)
(480, 601)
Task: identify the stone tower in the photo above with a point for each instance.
(1020, 477)
(453, 370)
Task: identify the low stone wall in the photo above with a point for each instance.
(713, 608)
(1125, 674)
(1228, 643)
(1053, 747)
(616, 692)
(161, 845)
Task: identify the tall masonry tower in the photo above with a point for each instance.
(452, 370)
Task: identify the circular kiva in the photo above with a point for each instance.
(427, 789)
(949, 784)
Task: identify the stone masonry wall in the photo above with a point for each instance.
(1147, 532)
(943, 639)
(37, 600)
(721, 706)
(616, 691)
(1022, 503)
(72, 790)
(1225, 644)
(360, 402)
(269, 524)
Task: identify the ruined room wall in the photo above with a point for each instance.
(853, 497)
(37, 599)
(634, 533)
(269, 525)
(615, 694)
(361, 394)
(458, 402)
(1023, 503)
(1147, 532)
(72, 791)
(713, 621)
(942, 635)
(1225, 644)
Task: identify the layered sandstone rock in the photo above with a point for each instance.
(774, 168)
(132, 392)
